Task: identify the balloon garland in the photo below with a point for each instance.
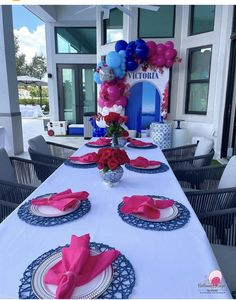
(128, 57)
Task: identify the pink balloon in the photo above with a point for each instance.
(169, 45)
(101, 102)
(109, 103)
(160, 49)
(160, 61)
(122, 101)
(113, 92)
(169, 63)
(170, 53)
(151, 48)
(153, 59)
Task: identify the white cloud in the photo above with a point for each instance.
(31, 43)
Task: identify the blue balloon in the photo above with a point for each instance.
(117, 72)
(120, 45)
(123, 66)
(131, 65)
(139, 42)
(96, 78)
(122, 53)
(142, 51)
(100, 64)
(113, 59)
(131, 46)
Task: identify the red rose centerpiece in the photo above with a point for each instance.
(109, 163)
(114, 122)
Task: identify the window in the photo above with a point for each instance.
(202, 18)
(198, 80)
(80, 40)
(157, 24)
(113, 27)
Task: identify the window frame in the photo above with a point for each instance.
(103, 29)
(156, 37)
(189, 81)
(66, 53)
(190, 33)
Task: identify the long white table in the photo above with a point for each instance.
(167, 264)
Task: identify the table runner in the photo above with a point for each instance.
(172, 264)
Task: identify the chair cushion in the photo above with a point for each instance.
(226, 257)
(7, 172)
(204, 147)
(38, 144)
(228, 178)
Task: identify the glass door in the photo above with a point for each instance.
(77, 92)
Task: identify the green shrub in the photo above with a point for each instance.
(34, 101)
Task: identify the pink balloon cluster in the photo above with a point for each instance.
(161, 55)
(112, 93)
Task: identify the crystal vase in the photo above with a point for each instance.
(112, 177)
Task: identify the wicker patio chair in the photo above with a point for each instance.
(220, 227)
(18, 178)
(190, 156)
(48, 152)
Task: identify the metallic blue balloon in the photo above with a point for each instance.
(120, 45)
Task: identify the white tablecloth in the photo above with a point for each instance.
(167, 264)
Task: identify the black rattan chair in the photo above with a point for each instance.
(18, 179)
(220, 227)
(48, 152)
(190, 156)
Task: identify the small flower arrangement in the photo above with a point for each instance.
(111, 158)
(114, 122)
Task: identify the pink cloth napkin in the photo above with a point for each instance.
(86, 158)
(63, 200)
(144, 206)
(101, 142)
(143, 162)
(77, 266)
(138, 143)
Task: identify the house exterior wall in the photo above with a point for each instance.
(211, 124)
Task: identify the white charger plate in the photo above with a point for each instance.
(92, 289)
(166, 214)
(48, 211)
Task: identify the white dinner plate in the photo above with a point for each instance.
(92, 289)
(48, 211)
(147, 168)
(166, 214)
(82, 163)
(144, 146)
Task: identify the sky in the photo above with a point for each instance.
(30, 32)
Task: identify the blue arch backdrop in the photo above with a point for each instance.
(143, 106)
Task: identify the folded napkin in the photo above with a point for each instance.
(63, 200)
(144, 206)
(138, 143)
(86, 158)
(143, 162)
(77, 266)
(101, 142)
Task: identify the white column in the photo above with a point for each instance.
(10, 116)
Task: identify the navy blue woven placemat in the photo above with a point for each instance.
(25, 214)
(120, 288)
(143, 148)
(79, 166)
(163, 168)
(182, 218)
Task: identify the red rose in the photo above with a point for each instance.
(113, 164)
(125, 133)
